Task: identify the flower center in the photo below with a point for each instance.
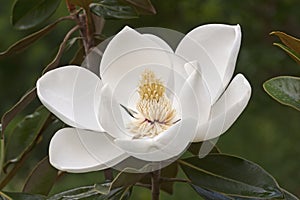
(155, 111)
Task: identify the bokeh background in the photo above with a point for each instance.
(266, 133)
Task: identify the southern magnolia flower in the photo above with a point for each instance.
(151, 101)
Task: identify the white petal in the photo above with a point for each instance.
(166, 145)
(129, 51)
(222, 44)
(72, 93)
(216, 47)
(195, 97)
(110, 115)
(160, 42)
(226, 110)
(75, 150)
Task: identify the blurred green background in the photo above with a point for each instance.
(266, 133)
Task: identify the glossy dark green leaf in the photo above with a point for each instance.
(20, 196)
(292, 44)
(29, 40)
(289, 51)
(194, 148)
(113, 9)
(81, 3)
(71, 42)
(124, 179)
(143, 6)
(169, 172)
(93, 192)
(232, 176)
(210, 195)
(25, 134)
(55, 62)
(17, 108)
(2, 154)
(41, 179)
(30, 13)
(288, 195)
(123, 194)
(80, 192)
(78, 57)
(284, 89)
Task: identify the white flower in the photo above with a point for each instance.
(150, 103)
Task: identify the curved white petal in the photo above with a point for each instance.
(72, 93)
(110, 115)
(129, 51)
(226, 110)
(222, 44)
(216, 47)
(77, 151)
(195, 97)
(160, 42)
(166, 145)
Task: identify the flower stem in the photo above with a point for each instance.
(155, 184)
(84, 21)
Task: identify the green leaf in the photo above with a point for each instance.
(18, 107)
(27, 14)
(288, 195)
(289, 51)
(20, 196)
(113, 9)
(81, 3)
(41, 179)
(195, 147)
(119, 188)
(124, 179)
(210, 195)
(55, 62)
(2, 152)
(123, 194)
(78, 57)
(78, 193)
(70, 43)
(25, 134)
(29, 40)
(230, 176)
(291, 42)
(284, 89)
(143, 7)
(169, 172)
(93, 192)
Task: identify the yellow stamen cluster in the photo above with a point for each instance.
(155, 112)
(150, 87)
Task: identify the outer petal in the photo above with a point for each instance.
(75, 150)
(165, 146)
(110, 114)
(195, 97)
(222, 44)
(226, 110)
(72, 93)
(159, 42)
(129, 51)
(216, 47)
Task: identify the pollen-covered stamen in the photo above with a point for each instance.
(150, 87)
(155, 112)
